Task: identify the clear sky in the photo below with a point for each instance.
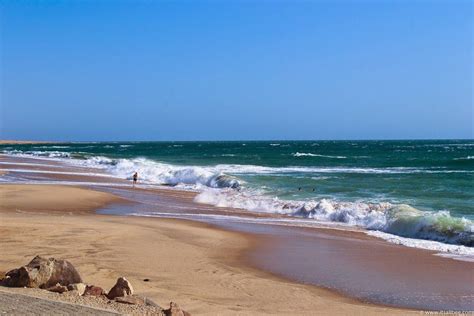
(230, 70)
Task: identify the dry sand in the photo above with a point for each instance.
(194, 264)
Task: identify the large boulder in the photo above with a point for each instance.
(175, 310)
(121, 288)
(42, 273)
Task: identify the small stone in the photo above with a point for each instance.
(132, 300)
(58, 288)
(93, 290)
(79, 287)
(121, 288)
(146, 280)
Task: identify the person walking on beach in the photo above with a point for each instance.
(135, 178)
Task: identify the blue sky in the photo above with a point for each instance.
(229, 70)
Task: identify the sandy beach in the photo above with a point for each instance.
(195, 264)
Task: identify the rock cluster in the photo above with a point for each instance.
(60, 276)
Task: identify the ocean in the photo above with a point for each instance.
(407, 191)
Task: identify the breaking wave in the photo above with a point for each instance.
(400, 220)
(161, 173)
(37, 153)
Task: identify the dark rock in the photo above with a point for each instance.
(146, 280)
(42, 273)
(57, 288)
(93, 290)
(121, 288)
(175, 310)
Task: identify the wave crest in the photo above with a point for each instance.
(160, 173)
(37, 153)
(401, 220)
(298, 154)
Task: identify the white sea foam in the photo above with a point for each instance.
(321, 178)
(446, 145)
(37, 153)
(55, 147)
(458, 252)
(465, 158)
(298, 154)
(369, 215)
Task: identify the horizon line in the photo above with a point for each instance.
(25, 142)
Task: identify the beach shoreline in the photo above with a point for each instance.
(351, 252)
(203, 279)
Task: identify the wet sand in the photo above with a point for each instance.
(367, 269)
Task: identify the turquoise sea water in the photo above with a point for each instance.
(419, 189)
